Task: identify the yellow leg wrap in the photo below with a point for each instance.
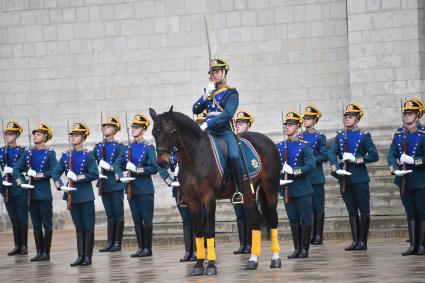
(200, 248)
(211, 249)
(256, 242)
(275, 241)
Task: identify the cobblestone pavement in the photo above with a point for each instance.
(381, 263)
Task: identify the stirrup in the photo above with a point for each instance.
(237, 198)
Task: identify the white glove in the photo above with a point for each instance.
(285, 182)
(341, 172)
(101, 176)
(126, 180)
(31, 173)
(105, 165)
(209, 89)
(204, 126)
(402, 172)
(71, 175)
(287, 169)
(131, 167)
(7, 170)
(348, 156)
(6, 184)
(27, 186)
(175, 184)
(407, 159)
(68, 189)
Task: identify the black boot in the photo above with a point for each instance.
(139, 236)
(147, 238)
(319, 223)
(411, 227)
(47, 243)
(237, 173)
(80, 249)
(354, 224)
(88, 248)
(296, 237)
(421, 239)
(24, 239)
(110, 234)
(119, 230)
(364, 233)
(187, 237)
(16, 239)
(305, 241)
(313, 227)
(242, 238)
(38, 238)
(248, 238)
(193, 257)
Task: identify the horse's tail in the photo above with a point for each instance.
(262, 205)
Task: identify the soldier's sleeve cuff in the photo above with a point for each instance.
(19, 181)
(140, 170)
(333, 168)
(297, 172)
(359, 160)
(418, 162)
(81, 177)
(391, 169)
(168, 181)
(40, 175)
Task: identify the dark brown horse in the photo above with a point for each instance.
(202, 184)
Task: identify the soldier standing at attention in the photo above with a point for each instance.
(15, 197)
(80, 167)
(109, 155)
(355, 148)
(317, 141)
(142, 165)
(406, 158)
(38, 163)
(244, 121)
(298, 163)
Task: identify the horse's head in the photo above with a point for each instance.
(164, 132)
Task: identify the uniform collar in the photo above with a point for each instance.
(355, 128)
(141, 140)
(79, 148)
(296, 138)
(313, 131)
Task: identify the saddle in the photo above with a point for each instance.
(221, 158)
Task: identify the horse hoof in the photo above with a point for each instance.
(251, 265)
(276, 263)
(197, 271)
(210, 271)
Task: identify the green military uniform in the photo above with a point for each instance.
(360, 150)
(406, 158)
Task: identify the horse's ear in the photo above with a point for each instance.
(170, 113)
(153, 114)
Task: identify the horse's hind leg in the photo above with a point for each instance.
(210, 207)
(271, 198)
(196, 213)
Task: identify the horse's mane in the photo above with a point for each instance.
(183, 121)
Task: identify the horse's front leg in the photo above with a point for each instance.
(196, 211)
(210, 206)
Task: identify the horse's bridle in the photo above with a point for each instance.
(171, 135)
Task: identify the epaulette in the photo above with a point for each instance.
(86, 150)
(231, 87)
(398, 132)
(117, 142)
(364, 132)
(421, 131)
(339, 132)
(303, 141)
(321, 133)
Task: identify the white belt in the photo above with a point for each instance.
(214, 113)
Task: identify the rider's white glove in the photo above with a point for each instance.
(209, 89)
(204, 126)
